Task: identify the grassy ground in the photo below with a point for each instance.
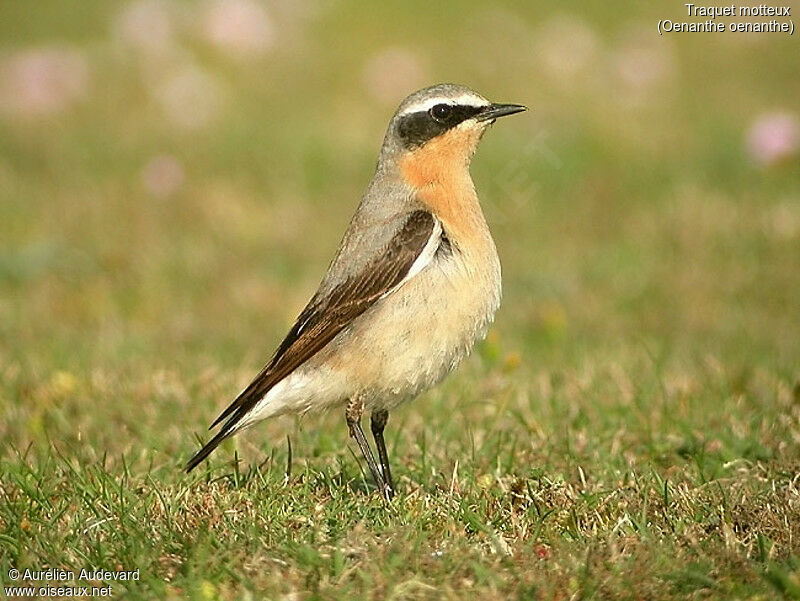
(631, 427)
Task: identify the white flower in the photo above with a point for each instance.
(145, 25)
(567, 46)
(190, 97)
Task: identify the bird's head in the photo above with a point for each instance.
(445, 120)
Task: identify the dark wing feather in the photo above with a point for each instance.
(326, 316)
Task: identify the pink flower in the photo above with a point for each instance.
(239, 27)
(162, 176)
(390, 74)
(773, 138)
(43, 81)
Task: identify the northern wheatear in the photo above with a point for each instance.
(415, 282)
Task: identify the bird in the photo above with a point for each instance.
(414, 284)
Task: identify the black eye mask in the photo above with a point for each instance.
(417, 128)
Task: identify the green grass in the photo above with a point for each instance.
(630, 429)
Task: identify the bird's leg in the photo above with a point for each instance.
(353, 416)
(378, 423)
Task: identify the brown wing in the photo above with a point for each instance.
(326, 316)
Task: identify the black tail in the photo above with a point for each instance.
(207, 449)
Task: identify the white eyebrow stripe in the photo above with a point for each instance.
(464, 99)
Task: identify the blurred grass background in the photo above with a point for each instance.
(175, 176)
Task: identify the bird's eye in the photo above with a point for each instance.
(441, 112)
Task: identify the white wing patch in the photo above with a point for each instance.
(424, 258)
(324, 386)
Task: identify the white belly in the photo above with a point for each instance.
(405, 343)
(417, 335)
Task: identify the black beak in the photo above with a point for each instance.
(493, 111)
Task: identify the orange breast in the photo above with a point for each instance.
(439, 172)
